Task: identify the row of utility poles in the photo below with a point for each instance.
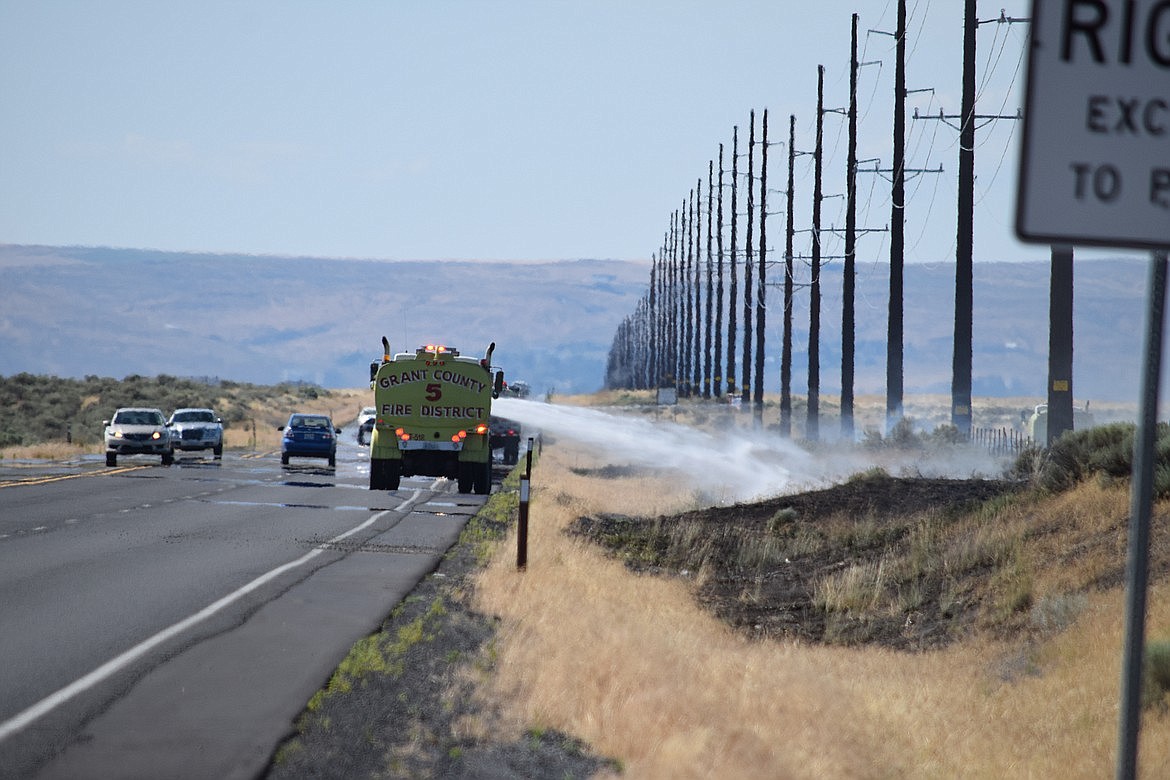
(663, 343)
(676, 339)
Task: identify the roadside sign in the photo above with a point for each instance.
(1095, 157)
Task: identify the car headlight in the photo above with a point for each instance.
(117, 434)
(156, 435)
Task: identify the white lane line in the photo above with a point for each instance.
(114, 665)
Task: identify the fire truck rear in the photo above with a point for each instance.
(433, 409)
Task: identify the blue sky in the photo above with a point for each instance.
(505, 129)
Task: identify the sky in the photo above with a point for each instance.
(487, 129)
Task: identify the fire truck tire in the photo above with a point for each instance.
(512, 453)
(385, 474)
(483, 482)
(466, 477)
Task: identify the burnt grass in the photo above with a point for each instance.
(872, 515)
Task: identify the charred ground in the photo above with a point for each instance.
(848, 565)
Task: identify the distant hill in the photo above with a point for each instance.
(76, 311)
(113, 312)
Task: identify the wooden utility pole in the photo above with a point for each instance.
(894, 327)
(812, 427)
(652, 355)
(675, 301)
(718, 389)
(961, 364)
(697, 347)
(710, 294)
(1060, 344)
(733, 293)
(848, 327)
(761, 286)
(663, 315)
(746, 395)
(688, 321)
(786, 338)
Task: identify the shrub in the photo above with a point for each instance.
(39, 409)
(1105, 451)
(1156, 680)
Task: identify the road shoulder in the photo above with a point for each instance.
(416, 714)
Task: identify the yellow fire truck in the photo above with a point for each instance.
(433, 407)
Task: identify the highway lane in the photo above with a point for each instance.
(116, 565)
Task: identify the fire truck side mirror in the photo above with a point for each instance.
(374, 364)
(499, 384)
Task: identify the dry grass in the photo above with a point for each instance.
(342, 405)
(630, 664)
(50, 450)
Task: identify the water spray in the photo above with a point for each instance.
(737, 464)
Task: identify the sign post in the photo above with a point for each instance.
(1095, 170)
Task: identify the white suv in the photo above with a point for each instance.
(197, 429)
(365, 423)
(138, 431)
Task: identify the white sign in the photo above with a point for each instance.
(1095, 159)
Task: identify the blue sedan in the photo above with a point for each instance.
(309, 436)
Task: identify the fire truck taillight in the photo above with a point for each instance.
(481, 429)
(402, 434)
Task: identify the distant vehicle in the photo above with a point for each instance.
(309, 436)
(138, 431)
(365, 423)
(505, 435)
(1036, 423)
(516, 389)
(196, 429)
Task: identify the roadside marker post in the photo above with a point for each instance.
(522, 520)
(1095, 169)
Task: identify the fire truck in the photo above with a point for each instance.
(433, 410)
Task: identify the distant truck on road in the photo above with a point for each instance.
(1035, 423)
(433, 410)
(505, 435)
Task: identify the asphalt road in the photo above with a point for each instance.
(173, 621)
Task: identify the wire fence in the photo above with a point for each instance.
(1001, 441)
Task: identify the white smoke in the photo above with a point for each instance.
(737, 464)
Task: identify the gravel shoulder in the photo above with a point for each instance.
(403, 703)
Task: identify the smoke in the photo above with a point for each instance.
(734, 465)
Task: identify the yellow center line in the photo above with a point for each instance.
(60, 477)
